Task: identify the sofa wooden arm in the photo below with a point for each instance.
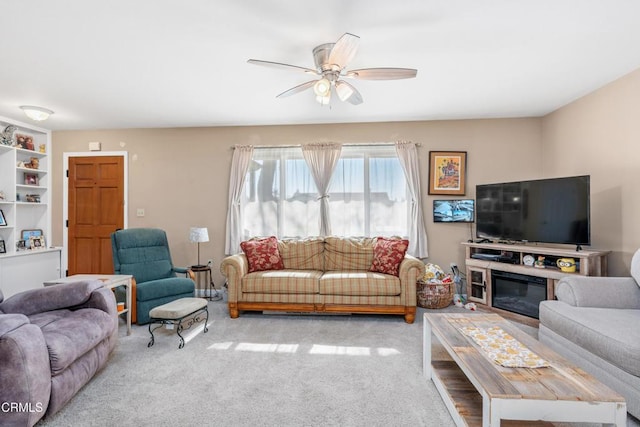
(133, 308)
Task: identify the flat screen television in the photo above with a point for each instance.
(553, 210)
(461, 210)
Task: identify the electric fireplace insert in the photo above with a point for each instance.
(518, 293)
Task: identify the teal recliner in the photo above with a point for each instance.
(144, 253)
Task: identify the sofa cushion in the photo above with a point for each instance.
(388, 254)
(282, 282)
(359, 283)
(51, 297)
(262, 254)
(305, 254)
(161, 288)
(9, 322)
(611, 334)
(345, 254)
(70, 334)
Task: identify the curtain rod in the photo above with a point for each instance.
(344, 145)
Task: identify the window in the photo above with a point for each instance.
(368, 194)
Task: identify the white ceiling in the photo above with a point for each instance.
(171, 63)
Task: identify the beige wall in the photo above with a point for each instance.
(180, 176)
(599, 135)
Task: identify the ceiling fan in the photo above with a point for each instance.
(331, 60)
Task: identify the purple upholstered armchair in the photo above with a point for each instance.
(52, 341)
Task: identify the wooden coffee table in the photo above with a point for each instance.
(479, 392)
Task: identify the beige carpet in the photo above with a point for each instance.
(266, 370)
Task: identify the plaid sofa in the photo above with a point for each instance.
(328, 274)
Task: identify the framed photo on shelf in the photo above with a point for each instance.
(21, 245)
(31, 179)
(27, 234)
(447, 172)
(3, 248)
(3, 220)
(37, 242)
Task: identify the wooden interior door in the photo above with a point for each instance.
(96, 209)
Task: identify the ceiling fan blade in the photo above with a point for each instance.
(297, 89)
(382, 73)
(283, 66)
(348, 93)
(344, 50)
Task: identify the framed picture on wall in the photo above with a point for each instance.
(447, 172)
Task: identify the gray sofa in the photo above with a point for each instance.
(52, 342)
(595, 323)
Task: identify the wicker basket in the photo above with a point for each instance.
(434, 295)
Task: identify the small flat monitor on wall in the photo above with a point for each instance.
(458, 210)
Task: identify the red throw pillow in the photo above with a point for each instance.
(262, 254)
(388, 254)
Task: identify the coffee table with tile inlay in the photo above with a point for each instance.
(479, 392)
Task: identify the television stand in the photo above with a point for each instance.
(481, 259)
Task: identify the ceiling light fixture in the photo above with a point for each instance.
(324, 100)
(36, 113)
(330, 61)
(322, 87)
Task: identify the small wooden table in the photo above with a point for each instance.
(206, 269)
(479, 392)
(110, 281)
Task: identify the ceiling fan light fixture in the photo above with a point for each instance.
(331, 60)
(324, 100)
(36, 113)
(322, 88)
(344, 91)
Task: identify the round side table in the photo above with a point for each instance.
(206, 270)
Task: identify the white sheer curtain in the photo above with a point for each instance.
(322, 159)
(280, 195)
(369, 195)
(239, 167)
(408, 156)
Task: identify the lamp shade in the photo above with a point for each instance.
(198, 234)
